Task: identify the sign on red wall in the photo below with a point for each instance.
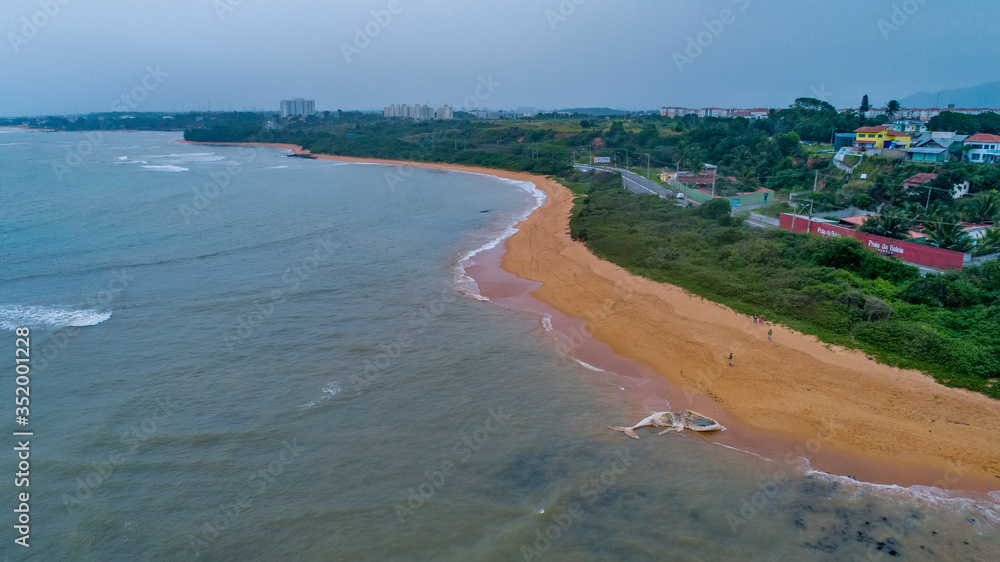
(907, 251)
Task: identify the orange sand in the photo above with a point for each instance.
(795, 387)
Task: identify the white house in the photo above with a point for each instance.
(982, 149)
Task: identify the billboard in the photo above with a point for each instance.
(602, 159)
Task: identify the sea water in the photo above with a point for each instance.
(238, 355)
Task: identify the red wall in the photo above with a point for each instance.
(907, 251)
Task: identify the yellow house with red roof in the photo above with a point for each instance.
(881, 137)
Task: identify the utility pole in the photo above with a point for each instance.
(816, 181)
(796, 211)
(647, 166)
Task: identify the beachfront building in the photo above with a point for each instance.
(297, 106)
(879, 137)
(982, 149)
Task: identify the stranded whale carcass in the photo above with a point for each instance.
(673, 421)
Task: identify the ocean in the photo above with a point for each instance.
(239, 355)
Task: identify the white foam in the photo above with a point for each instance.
(986, 505)
(190, 158)
(466, 283)
(12, 143)
(277, 167)
(589, 366)
(185, 155)
(165, 168)
(14, 316)
(123, 157)
(547, 322)
(741, 450)
(329, 391)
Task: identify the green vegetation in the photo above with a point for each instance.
(947, 325)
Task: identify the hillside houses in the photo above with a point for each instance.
(982, 149)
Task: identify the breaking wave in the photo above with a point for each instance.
(14, 316)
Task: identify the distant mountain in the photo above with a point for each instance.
(984, 95)
(597, 111)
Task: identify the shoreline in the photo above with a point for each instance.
(782, 397)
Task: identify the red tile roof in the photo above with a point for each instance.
(983, 137)
(919, 179)
(896, 133)
(871, 129)
(858, 220)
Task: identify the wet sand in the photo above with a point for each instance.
(788, 398)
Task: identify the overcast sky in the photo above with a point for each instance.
(638, 54)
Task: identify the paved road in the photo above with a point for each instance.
(638, 184)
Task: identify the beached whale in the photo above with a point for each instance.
(673, 421)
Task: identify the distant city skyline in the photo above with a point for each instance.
(365, 55)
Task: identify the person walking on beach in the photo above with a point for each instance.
(754, 318)
(730, 358)
(769, 334)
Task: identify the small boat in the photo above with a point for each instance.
(697, 422)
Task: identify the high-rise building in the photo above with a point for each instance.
(297, 106)
(418, 111)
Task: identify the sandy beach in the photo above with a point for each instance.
(874, 422)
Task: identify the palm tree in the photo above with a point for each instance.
(887, 192)
(891, 224)
(892, 108)
(949, 235)
(983, 208)
(989, 244)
